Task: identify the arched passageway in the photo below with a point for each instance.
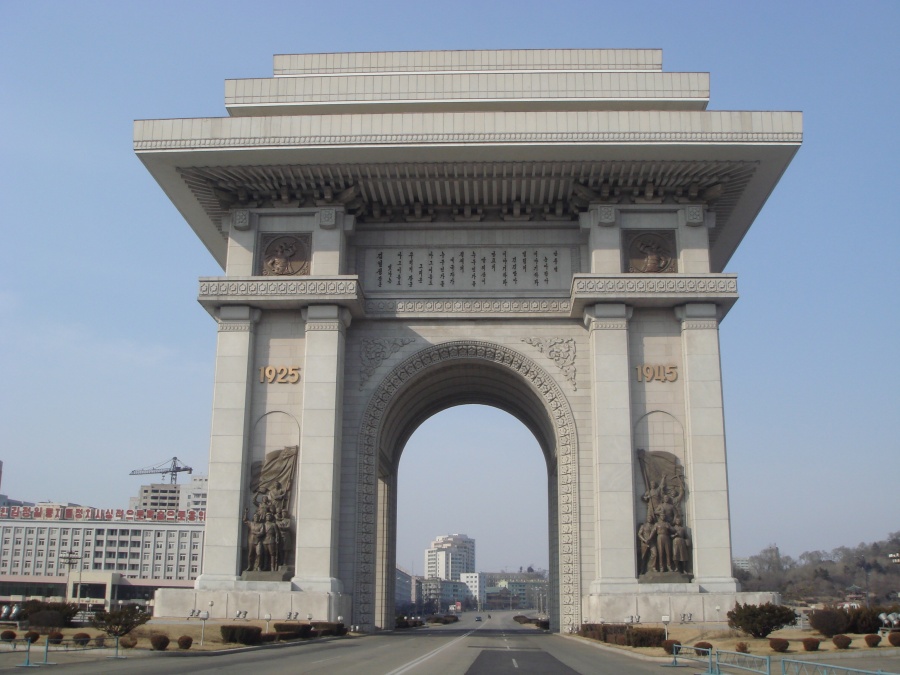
(432, 380)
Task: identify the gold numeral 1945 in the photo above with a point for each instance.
(649, 373)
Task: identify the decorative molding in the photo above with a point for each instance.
(246, 287)
(375, 351)
(469, 306)
(235, 326)
(606, 216)
(699, 324)
(240, 219)
(328, 219)
(557, 407)
(616, 284)
(562, 351)
(568, 137)
(693, 215)
(335, 325)
(607, 324)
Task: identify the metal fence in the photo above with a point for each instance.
(697, 655)
(721, 662)
(39, 655)
(744, 662)
(791, 667)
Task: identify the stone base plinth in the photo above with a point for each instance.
(653, 601)
(277, 576)
(257, 598)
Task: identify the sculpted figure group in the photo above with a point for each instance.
(664, 540)
(269, 537)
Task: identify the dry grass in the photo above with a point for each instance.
(212, 639)
(726, 640)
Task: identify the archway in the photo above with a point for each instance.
(474, 470)
(431, 380)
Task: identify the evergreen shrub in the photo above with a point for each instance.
(81, 639)
(703, 645)
(829, 621)
(669, 645)
(159, 642)
(127, 642)
(32, 636)
(639, 636)
(8, 635)
(185, 642)
(872, 640)
(760, 620)
(894, 638)
(841, 641)
(241, 634)
(742, 648)
(779, 645)
(811, 644)
(54, 637)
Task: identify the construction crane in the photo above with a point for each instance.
(172, 467)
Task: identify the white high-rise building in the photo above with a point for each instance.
(450, 556)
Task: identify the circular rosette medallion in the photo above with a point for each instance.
(286, 255)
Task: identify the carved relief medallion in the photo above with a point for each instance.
(651, 252)
(284, 255)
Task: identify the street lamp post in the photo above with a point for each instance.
(204, 617)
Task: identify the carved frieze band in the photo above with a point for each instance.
(326, 325)
(235, 326)
(671, 284)
(607, 324)
(460, 306)
(562, 351)
(276, 288)
(567, 467)
(689, 324)
(375, 351)
(520, 137)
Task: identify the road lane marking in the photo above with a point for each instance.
(422, 659)
(515, 665)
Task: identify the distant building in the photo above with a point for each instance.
(193, 494)
(403, 588)
(475, 583)
(743, 564)
(187, 497)
(449, 557)
(445, 591)
(55, 551)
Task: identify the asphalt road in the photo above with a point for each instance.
(496, 646)
(490, 647)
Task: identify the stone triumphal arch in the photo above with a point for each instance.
(541, 231)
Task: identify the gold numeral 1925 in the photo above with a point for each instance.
(279, 375)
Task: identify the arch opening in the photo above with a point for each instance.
(430, 381)
(475, 470)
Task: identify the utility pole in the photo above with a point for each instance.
(70, 558)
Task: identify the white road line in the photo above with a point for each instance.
(515, 665)
(422, 659)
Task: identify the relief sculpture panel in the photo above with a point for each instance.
(664, 542)
(270, 527)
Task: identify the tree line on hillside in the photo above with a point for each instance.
(828, 576)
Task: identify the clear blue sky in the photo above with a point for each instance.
(106, 359)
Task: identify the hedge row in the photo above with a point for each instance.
(624, 634)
